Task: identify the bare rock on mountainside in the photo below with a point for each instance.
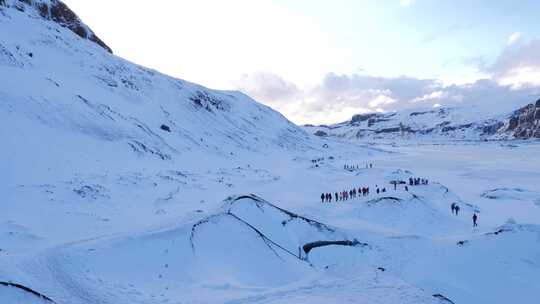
(59, 13)
(525, 122)
(320, 133)
(449, 123)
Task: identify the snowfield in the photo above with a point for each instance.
(119, 184)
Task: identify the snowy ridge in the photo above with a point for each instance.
(57, 12)
(461, 123)
(82, 93)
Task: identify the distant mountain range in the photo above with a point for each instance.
(464, 123)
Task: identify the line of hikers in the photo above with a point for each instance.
(364, 191)
(455, 210)
(418, 181)
(357, 167)
(345, 195)
(351, 194)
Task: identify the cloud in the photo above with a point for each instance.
(518, 65)
(268, 87)
(513, 38)
(405, 3)
(337, 97)
(511, 81)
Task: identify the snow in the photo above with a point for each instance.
(467, 123)
(100, 205)
(13, 295)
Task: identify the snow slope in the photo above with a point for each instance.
(453, 123)
(119, 184)
(61, 90)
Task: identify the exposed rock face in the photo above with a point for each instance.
(59, 13)
(493, 128)
(321, 133)
(362, 117)
(525, 122)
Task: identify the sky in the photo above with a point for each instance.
(324, 61)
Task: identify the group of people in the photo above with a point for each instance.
(317, 160)
(418, 181)
(356, 167)
(455, 210)
(345, 195)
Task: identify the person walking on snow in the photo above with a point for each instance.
(453, 207)
(322, 197)
(457, 209)
(474, 219)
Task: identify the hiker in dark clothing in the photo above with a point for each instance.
(322, 197)
(474, 219)
(453, 207)
(410, 181)
(337, 196)
(383, 189)
(457, 209)
(378, 191)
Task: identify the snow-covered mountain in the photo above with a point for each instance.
(462, 123)
(57, 75)
(57, 12)
(119, 184)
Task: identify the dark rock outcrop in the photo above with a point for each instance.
(525, 122)
(320, 133)
(309, 246)
(493, 128)
(362, 117)
(443, 299)
(165, 128)
(60, 13)
(25, 288)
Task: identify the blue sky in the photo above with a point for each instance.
(322, 61)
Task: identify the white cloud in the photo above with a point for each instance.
(513, 38)
(435, 95)
(380, 100)
(528, 76)
(510, 82)
(338, 97)
(518, 65)
(268, 87)
(405, 3)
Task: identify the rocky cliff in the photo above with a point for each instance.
(525, 122)
(58, 12)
